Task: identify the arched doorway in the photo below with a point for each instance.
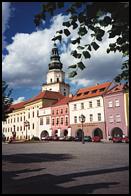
(44, 134)
(98, 132)
(65, 132)
(79, 134)
(116, 132)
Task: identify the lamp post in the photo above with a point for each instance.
(26, 124)
(82, 120)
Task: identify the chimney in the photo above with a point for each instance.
(97, 84)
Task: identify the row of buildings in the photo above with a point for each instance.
(54, 111)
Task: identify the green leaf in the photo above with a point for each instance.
(59, 31)
(95, 45)
(89, 47)
(80, 47)
(67, 32)
(72, 74)
(72, 66)
(82, 31)
(75, 25)
(81, 65)
(67, 24)
(75, 54)
(107, 20)
(86, 54)
(57, 37)
(76, 41)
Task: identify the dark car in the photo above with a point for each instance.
(117, 139)
(70, 138)
(96, 139)
(87, 139)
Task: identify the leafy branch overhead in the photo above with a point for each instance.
(91, 19)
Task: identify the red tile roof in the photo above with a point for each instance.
(45, 94)
(92, 91)
(63, 101)
(116, 89)
(17, 105)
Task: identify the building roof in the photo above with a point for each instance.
(17, 105)
(45, 94)
(116, 89)
(92, 91)
(62, 101)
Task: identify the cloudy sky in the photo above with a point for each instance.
(26, 52)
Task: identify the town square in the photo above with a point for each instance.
(65, 98)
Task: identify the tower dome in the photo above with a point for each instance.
(55, 59)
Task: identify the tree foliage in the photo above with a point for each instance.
(6, 100)
(92, 18)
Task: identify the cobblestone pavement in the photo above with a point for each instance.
(65, 168)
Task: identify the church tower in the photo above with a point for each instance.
(55, 75)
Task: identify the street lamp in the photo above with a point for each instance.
(82, 120)
(26, 124)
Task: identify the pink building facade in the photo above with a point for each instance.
(115, 112)
(60, 121)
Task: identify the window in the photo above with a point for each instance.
(41, 121)
(52, 112)
(47, 120)
(21, 128)
(21, 118)
(57, 121)
(75, 119)
(75, 106)
(110, 104)
(86, 93)
(64, 93)
(24, 118)
(33, 126)
(82, 105)
(99, 116)
(117, 104)
(94, 91)
(91, 117)
(61, 111)
(90, 104)
(53, 121)
(56, 111)
(79, 94)
(33, 114)
(57, 79)
(111, 120)
(17, 119)
(37, 112)
(98, 103)
(28, 114)
(51, 80)
(102, 89)
(17, 128)
(118, 118)
(66, 122)
(61, 121)
(66, 110)
(11, 120)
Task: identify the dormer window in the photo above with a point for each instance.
(102, 89)
(94, 91)
(86, 93)
(79, 94)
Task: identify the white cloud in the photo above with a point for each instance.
(6, 13)
(26, 65)
(20, 99)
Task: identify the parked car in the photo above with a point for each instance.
(117, 139)
(87, 139)
(70, 138)
(96, 139)
(125, 139)
(55, 138)
(78, 139)
(62, 138)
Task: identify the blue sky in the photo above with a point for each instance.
(26, 52)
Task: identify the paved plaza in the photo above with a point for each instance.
(65, 168)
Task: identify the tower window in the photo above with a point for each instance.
(57, 79)
(51, 80)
